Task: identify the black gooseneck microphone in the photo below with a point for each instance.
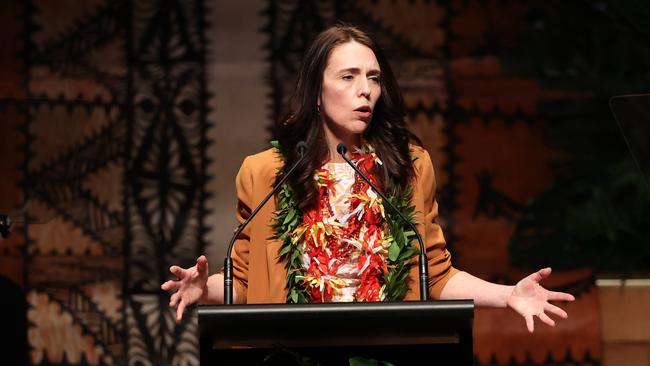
(424, 270)
(301, 148)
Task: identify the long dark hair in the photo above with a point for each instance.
(386, 132)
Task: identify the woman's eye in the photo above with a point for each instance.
(347, 77)
(374, 78)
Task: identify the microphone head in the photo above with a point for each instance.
(5, 225)
(301, 148)
(341, 148)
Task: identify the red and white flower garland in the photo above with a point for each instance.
(362, 239)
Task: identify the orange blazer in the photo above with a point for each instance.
(260, 275)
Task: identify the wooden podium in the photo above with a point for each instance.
(401, 333)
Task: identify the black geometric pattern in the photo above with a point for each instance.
(165, 172)
(493, 203)
(568, 360)
(146, 121)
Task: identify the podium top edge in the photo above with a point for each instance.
(456, 306)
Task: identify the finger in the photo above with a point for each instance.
(174, 299)
(560, 296)
(202, 264)
(530, 324)
(541, 274)
(555, 310)
(180, 310)
(170, 285)
(202, 260)
(177, 271)
(543, 317)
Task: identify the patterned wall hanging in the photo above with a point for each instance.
(115, 175)
(485, 136)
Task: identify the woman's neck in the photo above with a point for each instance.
(350, 143)
(333, 141)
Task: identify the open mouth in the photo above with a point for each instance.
(364, 109)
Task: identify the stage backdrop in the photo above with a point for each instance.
(111, 144)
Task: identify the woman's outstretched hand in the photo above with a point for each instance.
(190, 286)
(529, 299)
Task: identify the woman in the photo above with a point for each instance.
(327, 237)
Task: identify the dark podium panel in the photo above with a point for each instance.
(401, 333)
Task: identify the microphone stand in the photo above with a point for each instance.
(301, 147)
(423, 269)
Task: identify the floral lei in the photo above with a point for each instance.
(376, 238)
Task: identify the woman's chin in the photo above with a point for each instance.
(358, 127)
(348, 129)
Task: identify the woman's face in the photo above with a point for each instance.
(351, 88)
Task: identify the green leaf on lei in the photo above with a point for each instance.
(393, 251)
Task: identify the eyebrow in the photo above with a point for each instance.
(356, 70)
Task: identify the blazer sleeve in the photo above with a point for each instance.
(438, 257)
(241, 249)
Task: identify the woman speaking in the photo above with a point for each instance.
(327, 236)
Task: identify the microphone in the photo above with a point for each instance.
(18, 218)
(5, 225)
(424, 270)
(301, 149)
(12, 220)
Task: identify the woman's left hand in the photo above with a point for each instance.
(529, 299)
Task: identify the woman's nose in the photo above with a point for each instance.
(364, 88)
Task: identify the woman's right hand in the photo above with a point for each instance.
(190, 287)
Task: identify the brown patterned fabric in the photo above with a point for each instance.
(106, 123)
